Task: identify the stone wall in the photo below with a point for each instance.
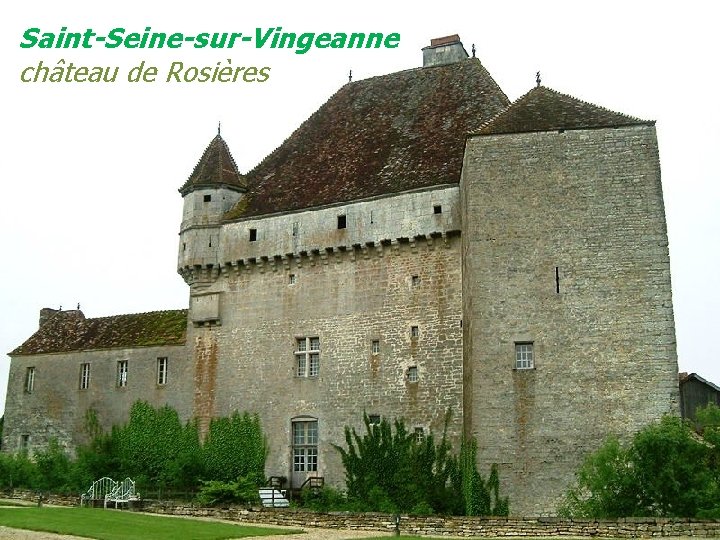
(424, 525)
(564, 247)
(247, 361)
(57, 405)
(455, 525)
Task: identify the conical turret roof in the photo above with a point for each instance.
(216, 168)
(544, 109)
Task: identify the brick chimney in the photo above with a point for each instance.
(444, 50)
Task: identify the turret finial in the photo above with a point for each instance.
(350, 76)
(218, 127)
(537, 78)
(473, 50)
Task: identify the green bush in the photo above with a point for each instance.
(668, 470)
(389, 470)
(216, 492)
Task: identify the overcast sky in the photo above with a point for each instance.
(90, 208)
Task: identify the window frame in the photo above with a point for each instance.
(305, 438)
(121, 374)
(29, 379)
(307, 357)
(161, 375)
(412, 374)
(84, 375)
(524, 355)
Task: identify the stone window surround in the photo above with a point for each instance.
(305, 437)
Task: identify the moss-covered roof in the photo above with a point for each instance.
(215, 168)
(377, 136)
(544, 109)
(67, 331)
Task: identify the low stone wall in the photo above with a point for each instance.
(36, 496)
(421, 525)
(455, 525)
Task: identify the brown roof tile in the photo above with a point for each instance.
(377, 136)
(215, 168)
(69, 331)
(544, 109)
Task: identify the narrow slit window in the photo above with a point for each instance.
(253, 235)
(122, 373)
(30, 380)
(162, 371)
(557, 279)
(342, 221)
(84, 376)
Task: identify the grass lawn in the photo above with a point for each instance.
(123, 525)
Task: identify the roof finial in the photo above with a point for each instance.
(537, 78)
(350, 76)
(473, 50)
(218, 127)
(78, 306)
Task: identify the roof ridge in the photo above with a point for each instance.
(582, 118)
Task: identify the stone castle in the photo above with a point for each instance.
(418, 245)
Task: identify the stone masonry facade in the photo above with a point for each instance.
(419, 246)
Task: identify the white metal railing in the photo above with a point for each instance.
(108, 490)
(124, 492)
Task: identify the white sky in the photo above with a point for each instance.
(90, 208)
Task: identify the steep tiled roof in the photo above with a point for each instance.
(544, 109)
(377, 136)
(70, 331)
(216, 167)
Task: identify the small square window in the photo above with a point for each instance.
(524, 357)
(342, 221)
(292, 279)
(419, 434)
(412, 374)
(374, 419)
(376, 346)
(437, 209)
(253, 235)
(416, 281)
(414, 331)
(207, 198)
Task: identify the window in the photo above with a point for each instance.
(84, 376)
(376, 346)
(30, 380)
(414, 331)
(437, 209)
(307, 357)
(207, 198)
(374, 419)
(342, 221)
(24, 442)
(524, 356)
(292, 279)
(253, 235)
(415, 281)
(122, 370)
(296, 229)
(419, 434)
(412, 374)
(305, 443)
(162, 370)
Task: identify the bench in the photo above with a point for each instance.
(273, 498)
